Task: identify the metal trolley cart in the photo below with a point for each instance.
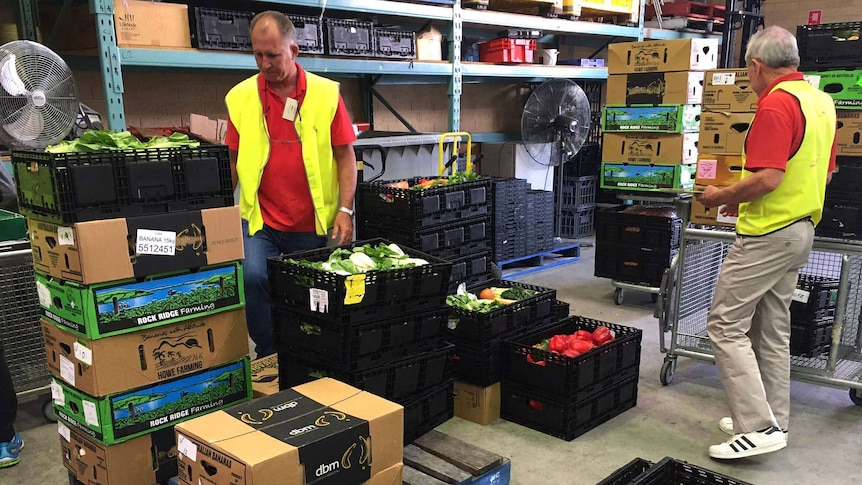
(688, 287)
(21, 335)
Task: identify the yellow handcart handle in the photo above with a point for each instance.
(455, 136)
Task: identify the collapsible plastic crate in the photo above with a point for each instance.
(846, 182)
(356, 298)
(65, 188)
(507, 51)
(472, 269)
(13, 226)
(447, 241)
(348, 37)
(632, 264)
(810, 338)
(577, 223)
(835, 45)
(426, 410)
(309, 33)
(586, 162)
(573, 378)
(394, 44)
(670, 470)
(626, 474)
(222, 29)
(579, 192)
(652, 227)
(814, 293)
(842, 219)
(356, 347)
(396, 380)
(559, 310)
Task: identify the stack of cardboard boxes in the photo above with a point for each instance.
(142, 315)
(729, 104)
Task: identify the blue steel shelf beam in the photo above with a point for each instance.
(109, 62)
(27, 19)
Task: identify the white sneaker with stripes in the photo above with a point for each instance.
(726, 425)
(742, 445)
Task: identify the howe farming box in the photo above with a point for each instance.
(663, 56)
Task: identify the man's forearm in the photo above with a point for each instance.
(752, 187)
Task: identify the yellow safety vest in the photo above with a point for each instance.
(313, 127)
(802, 191)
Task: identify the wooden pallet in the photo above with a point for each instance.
(437, 458)
(542, 8)
(686, 9)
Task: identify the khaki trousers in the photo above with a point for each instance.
(749, 324)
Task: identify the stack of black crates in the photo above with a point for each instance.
(812, 313)
(380, 331)
(452, 222)
(636, 244)
(523, 219)
(831, 58)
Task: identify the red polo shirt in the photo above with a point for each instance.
(284, 194)
(777, 130)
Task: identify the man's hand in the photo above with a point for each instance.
(729, 210)
(711, 196)
(343, 229)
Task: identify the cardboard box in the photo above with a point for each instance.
(148, 459)
(111, 365)
(136, 24)
(718, 169)
(663, 56)
(845, 87)
(673, 118)
(209, 129)
(123, 416)
(659, 148)
(711, 217)
(101, 310)
(264, 376)
(98, 251)
(656, 88)
(477, 404)
(728, 90)
(722, 132)
(630, 176)
(322, 432)
(849, 133)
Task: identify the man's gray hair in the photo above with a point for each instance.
(285, 26)
(773, 46)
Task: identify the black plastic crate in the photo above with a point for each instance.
(809, 338)
(357, 347)
(579, 192)
(814, 293)
(66, 188)
(847, 180)
(654, 227)
(627, 474)
(348, 37)
(394, 44)
(559, 310)
(395, 381)
(357, 298)
(573, 378)
(563, 419)
(222, 29)
(586, 162)
(635, 265)
(480, 328)
(447, 241)
(830, 45)
(480, 367)
(842, 219)
(579, 223)
(467, 267)
(418, 209)
(427, 410)
(309, 33)
(670, 470)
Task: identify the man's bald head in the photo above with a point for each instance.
(280, 21)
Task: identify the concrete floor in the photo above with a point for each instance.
(679, 420)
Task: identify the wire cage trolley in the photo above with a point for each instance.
(21, 335)
(686, 296)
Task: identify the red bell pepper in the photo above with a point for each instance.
(537, 362)
(558, 343)
(583, 335)
(538, 406)
(602, 335)
(570, 352)
(581, 346)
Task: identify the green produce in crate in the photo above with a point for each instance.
(363, 259)
(96, 140)
(489, 298)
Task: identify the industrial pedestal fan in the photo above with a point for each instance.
(554, 125)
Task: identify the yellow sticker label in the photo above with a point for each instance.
(355, 286)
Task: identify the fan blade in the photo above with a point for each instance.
(28, 124)
(9, 78)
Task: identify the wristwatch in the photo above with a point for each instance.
(346, 211)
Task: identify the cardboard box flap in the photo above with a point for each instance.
(389, 476)
(216, 427)
(90, 240)
(269, 456)
(223, 234)
(327, 390)
(386, 421)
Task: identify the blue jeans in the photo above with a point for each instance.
(267, 243)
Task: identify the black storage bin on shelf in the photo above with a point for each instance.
(634, 265)
(425, 411)
(309, 33)
(396, 380)
(448, 241)
(670, 470)
(351, 348)
(654, 227)
(222, 29)
(842, 219)
(348, 37)
(65, 188)
(847, 180)
(810, 338)
(830, 45)
(351, 299)
(394, 44)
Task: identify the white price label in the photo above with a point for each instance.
(723, 78)
(801, 295)
(57, 394)
(187, 447)
(64, 431)
(67, 370)
(319, 300)
(812, 79)
(160, 243)
(82, 353)
(91, 416)
(65, 236)
(44, 294)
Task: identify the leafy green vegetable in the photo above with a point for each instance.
(461, 177)
(517, 293)
(469, 302)
(363, 259)
(310, 329)
(95, 140)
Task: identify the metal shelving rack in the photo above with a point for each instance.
(114, 59)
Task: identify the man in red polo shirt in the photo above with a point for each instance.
(293, 157)
(788, 158)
